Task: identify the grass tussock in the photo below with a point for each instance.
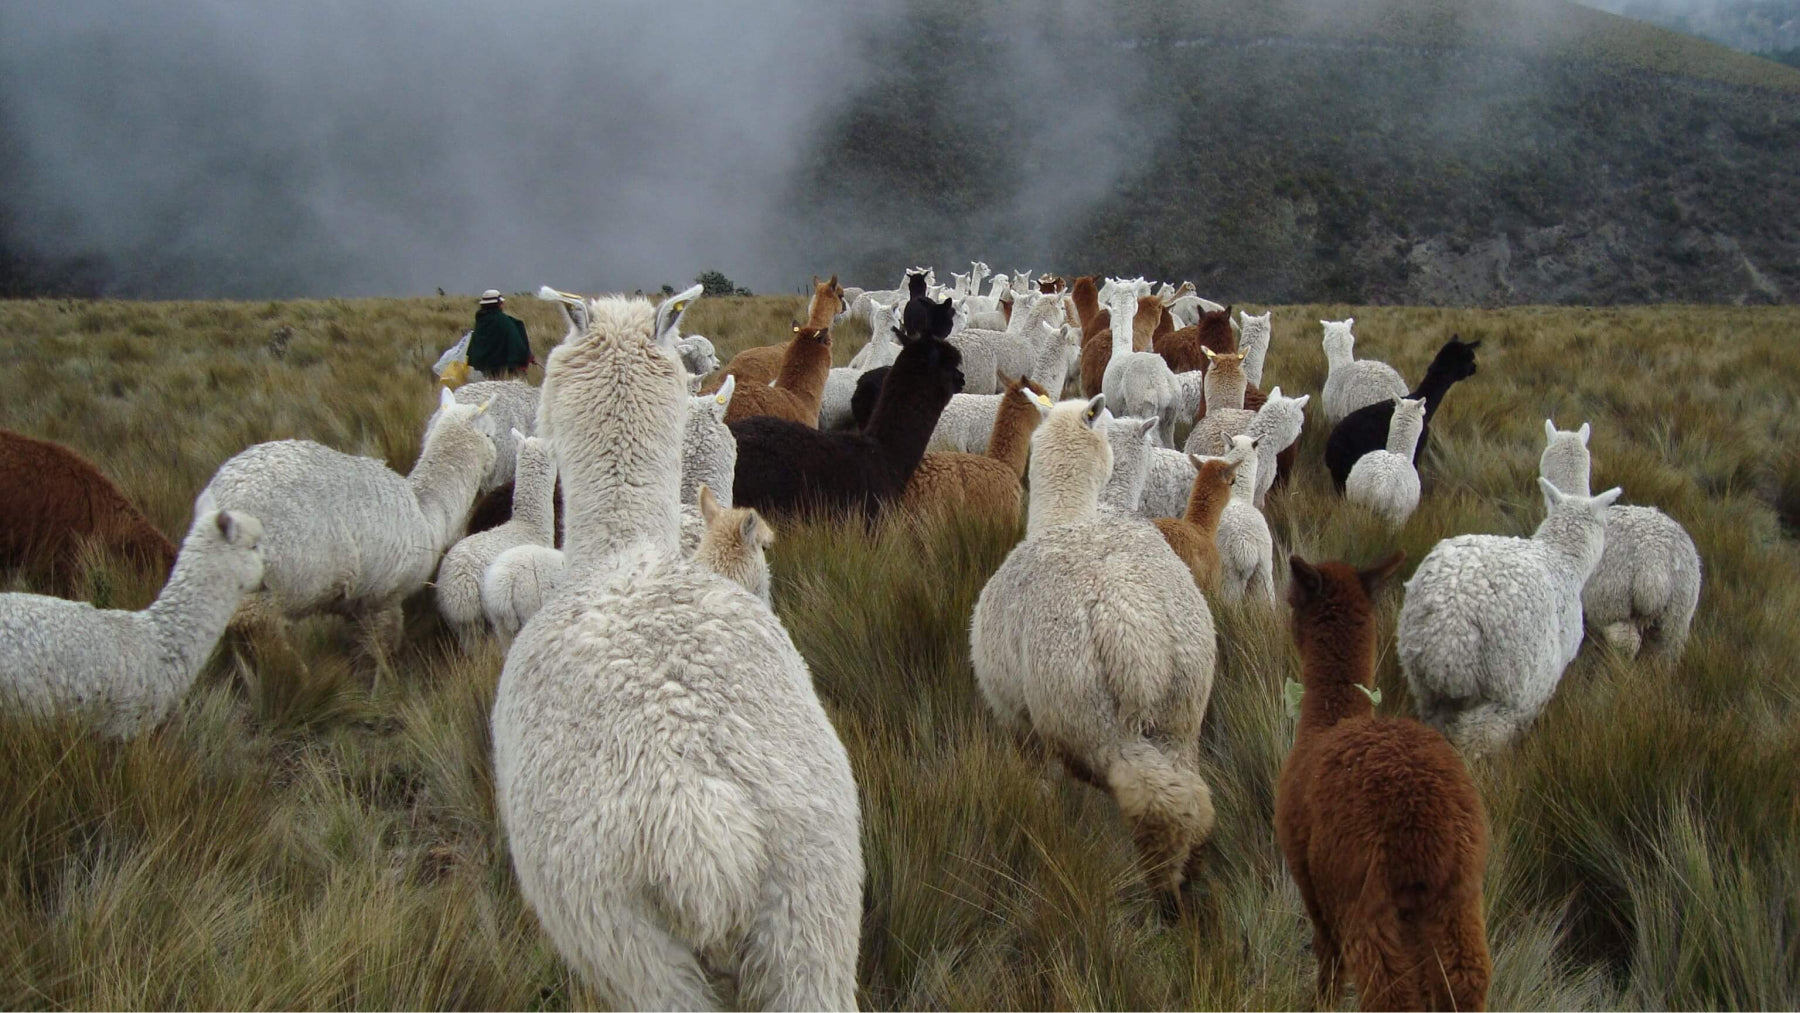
(303, 833)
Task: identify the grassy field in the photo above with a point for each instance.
(304, 839)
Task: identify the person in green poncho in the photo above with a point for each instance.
(498, 347)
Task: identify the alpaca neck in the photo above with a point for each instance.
(1052, 504)
(190, 614)
(1206, 504)
(1567, 534)
(1338, 355)
(1403, 433)
(804, 367)
(1249, 467)
(1255, 346)
(1010, 441)
(1087, 303)
(1569, 474)
(1006, 313)
(1335, 664)
(1224, 386)
(624, 423)
(534, 497)
(444, 482)
(1048, 367)
(1438, 381)
(1122, 334)
(907, 409)
(1143, 324)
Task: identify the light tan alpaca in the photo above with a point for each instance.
(755, 367)
(733, 544)
(799, 387)
(1194, 535)
(988, 484)
(1223, 406)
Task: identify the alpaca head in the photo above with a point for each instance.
(1340, 344)
(1404, 427)
(1028, 391)
(230, 543)
(697, 354)
(462, 433)
(1565, 461)
(1131, 440)
(1575, 525)
(884, 320)
(1071, 459)
(1455, 361)
(1000, 283)
(533, 458)
(827, 304)
(574, 309)
(940, 321)
(1280, 419)
(1334, 613)
(734, 543)
(708, 448)
(917, 282)
(1051, 284)
(1214, 478)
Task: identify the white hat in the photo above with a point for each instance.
(492, 295)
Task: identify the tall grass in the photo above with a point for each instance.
(298, 836)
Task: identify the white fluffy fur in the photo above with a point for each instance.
(708, 450)
(1138, 383)
(1092, 640)
(1352, 383)
(1131, 440)
(1385, 481)
(511, 404)
(735, 545)
(1024, 347)
(1647, 586)
(693, 812)
(1490, 622)
(126, 671)
(1246, 548)
(461, 574)
(1253, 341)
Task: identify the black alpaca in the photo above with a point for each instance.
(1366, 428)
(935, 320)
(917, 316)
(785, 469)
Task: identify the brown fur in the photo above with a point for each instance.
(755, 367)
(826, 305)
(1050, 284)
(987, 483)
(1165, 326)
(1149, 314)
(1380, 823)
(799, 387)
(1181, 349)
(1194, 535)
(1096, 332)
(734, 541)
(53, 500)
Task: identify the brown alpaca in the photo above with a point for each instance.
(53, 500)
(1149, 314)
(799, 387)
(1050, 284)
(988, 484)
(755, 367)
(1181, 349)
(1381, 826)
(1194, 535)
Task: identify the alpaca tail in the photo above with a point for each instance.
(1170, 810)
(1421, 941)
(459, 595)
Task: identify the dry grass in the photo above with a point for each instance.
(302, 839)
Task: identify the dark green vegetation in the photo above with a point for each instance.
(1482, 152)
(306, 839)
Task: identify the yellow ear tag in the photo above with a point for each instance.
(720, 398)
(1041, 399)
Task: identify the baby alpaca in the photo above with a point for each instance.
(1350, 384)
(1647, 586)
(128, 670)
(460, 575)
(1385, 480)
(734, 544)
(1194, 535)
(1490, 622)
(1381, 825)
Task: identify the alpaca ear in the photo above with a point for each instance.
(1095, 406)
(1583, 433)
(709, 504)
(1349, 321)
(1373, 577)
(518, 437)
(227, 525)
(1306, 584)
(1552, 495)
(1149, 424)
(1472, 345)
(1605, 499)
(1275, 392)
(669, 314)
(723, 397)
(1300, 402)
(1549, 430)
(833, 282)
(445, 398)
(1209, 354)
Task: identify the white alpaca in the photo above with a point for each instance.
(1131, 442)
(1385, 481)
(697, 354)
(1276, 426)
(511, 404)
(460, 575)
(1352, 383)
(1138, 383)
(345, 534)
(881, 349)
(968, 420)
(1647, 586)
(1253, 341)
(126, 671)
(1092, 641)
(673, 795)
(708, 458)
(1490, 622)
(1246, 548)
(1016, 351)
(735, 544)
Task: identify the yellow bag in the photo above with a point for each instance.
(454, 375)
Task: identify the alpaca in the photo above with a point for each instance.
(1138, 383)
(1092, 641)
(1490, 622)
(987, 483)
(1194, 535)
(734, 544)
(54, 500)
(881, 349)
(798, 388)
(511, 404)
(1351, 383)
(1276, 429)
(968, 420)
(1385, 480)
(1253, 341)
(347, 535)
(1015, 351)
(692, 813)
(1647, 586)
(697, 355)
(1226, 416)
(785, 469)
(1246, 547)
(761, 366)
(1184, 350)
(128, 670)
(1366, 428)
(1379, 822)
(460, 574)
(1131, 443)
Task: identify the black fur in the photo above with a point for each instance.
(868, 389)
(1366, 428)
(924, 317)
(784, 469)
(934, 319)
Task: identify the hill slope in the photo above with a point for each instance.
(1413, 153)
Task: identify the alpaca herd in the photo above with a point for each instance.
(696, 818)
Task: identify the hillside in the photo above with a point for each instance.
(1493, 152)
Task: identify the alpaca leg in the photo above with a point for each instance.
(1461, 969)
(1623, 636)
(801, 953)
(382, 628)
(637, 964)
(1330, 957)
(1383, 977)
(1262, 583)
